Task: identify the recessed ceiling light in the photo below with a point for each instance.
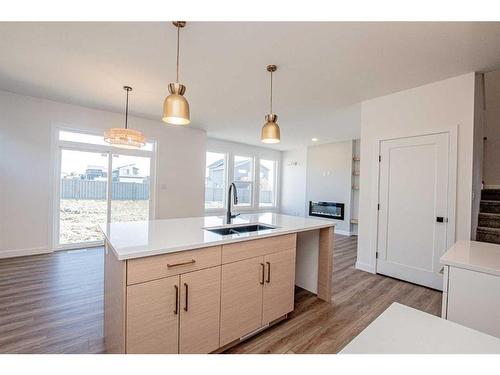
(315, 139)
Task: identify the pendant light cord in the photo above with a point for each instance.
(178, 37)
(271, 99)
(126, 112)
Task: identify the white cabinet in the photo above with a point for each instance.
(472, 298)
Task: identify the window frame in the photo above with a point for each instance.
(56, 154)
(229, 177)
(275, 184)
(252, 182)
(226, 179)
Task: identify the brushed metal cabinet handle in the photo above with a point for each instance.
(181, 264)
(176, 311)
(268, 280)
(187, 296)
(263, 272)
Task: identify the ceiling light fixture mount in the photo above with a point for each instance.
(125, 137)
(271, 131)
(175, 106)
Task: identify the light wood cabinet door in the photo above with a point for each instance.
(241, 299)
(279, 285)
(200, 311)
(152, 317)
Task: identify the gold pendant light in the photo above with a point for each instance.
(175, 106)
(271, 131)
(125, 137)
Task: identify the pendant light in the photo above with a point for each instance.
(271, 131)
(175, 106)
(125, 137)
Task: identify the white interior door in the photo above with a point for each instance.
(413, 211)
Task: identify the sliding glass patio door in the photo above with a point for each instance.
(83, 196)
(130, 188)
(98, 183)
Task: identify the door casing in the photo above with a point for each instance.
(452, 186)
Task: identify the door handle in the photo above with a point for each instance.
(262, 275)
(187, 291)
(268, 280)
(176, 311)
(441, 219)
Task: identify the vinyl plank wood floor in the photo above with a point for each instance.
(53, 303)
(358, 298)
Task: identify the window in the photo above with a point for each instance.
(255, 179)
(267, 183)
(215, 180)
(243, 179)
(93, 139)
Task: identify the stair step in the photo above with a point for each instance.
(489, 206)
(490, 194)
(489, 220)
(485, 234)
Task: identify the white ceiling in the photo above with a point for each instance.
(324, 68)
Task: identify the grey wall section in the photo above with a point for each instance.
(491, 168)
(27, 166)
(329, 171)
(293, 182)
(478, 150)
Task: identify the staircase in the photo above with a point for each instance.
(488, 229)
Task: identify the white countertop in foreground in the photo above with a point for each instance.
(403, 330)
(475, 256)
(137, 239)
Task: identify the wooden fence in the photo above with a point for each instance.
(90, 189)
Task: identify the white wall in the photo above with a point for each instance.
(329, 177)
(293, 182)
(26, 170)
(242, 149)
(439, 105)
(491, 169)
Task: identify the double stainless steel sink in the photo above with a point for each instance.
(240, 229)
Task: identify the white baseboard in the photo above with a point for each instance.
(24, 252)
(343, 232)
(491, 186)
(365, 267)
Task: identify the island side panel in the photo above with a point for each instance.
(325, 263)
(306, 265)
(114, 302)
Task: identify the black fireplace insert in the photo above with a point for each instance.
(330, 210)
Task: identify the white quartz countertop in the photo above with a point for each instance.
(403, 330)
(135, 239)
(475, 256)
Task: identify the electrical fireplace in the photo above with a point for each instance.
(330, 210)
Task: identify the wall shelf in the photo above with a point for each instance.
(354, 221)
(355, 173)
(355, 187)
(356, 158)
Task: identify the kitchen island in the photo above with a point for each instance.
(197, 285)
